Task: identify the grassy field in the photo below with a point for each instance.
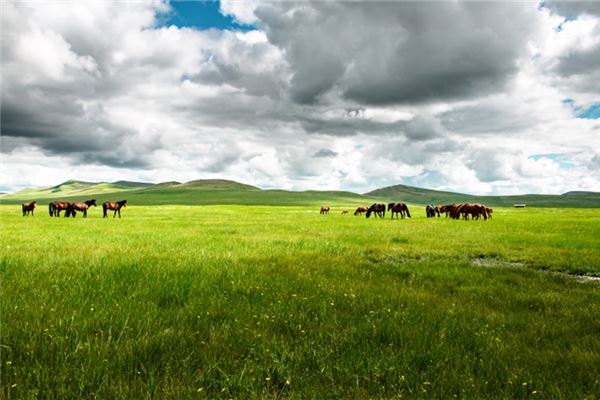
(280, 302)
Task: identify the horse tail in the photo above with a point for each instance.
(104, 210)
(51, 209)
(407, 212)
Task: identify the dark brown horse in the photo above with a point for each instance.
(399, 209)
(473, 209)
(488, 211)
(28, 208)
(110, 205)
(360, 210)
(56, 207)
(83, 207)
(378, 209)
(324, 210)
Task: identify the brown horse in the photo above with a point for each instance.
(110, 205)
(56, 207)
(441, 209)
(324, 210)
(360, 210)
(28, 208)
(466, 209)
(399, 209)
(83, 207)
(378, 209)
(488, 211)
(344, 212)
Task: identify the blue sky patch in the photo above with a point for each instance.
(562, 159)
(591, 113)
(201, 15)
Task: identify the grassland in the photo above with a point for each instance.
(271, 302)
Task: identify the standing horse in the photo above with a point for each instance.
(399, 209)
(430, 211)
(360, 210)
(83, 207)
(28, 208)
(378, 209)
(324, 210)
(109, 205)
(488, 211)
(56, 207)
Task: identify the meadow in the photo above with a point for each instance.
(177, 302)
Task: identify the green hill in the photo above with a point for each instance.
(411, 194)
(219, 191)
(72, 188)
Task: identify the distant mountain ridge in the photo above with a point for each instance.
(222, 191)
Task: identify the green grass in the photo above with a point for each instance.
(261, 302)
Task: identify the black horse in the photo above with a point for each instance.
(378, 209)
(399, 209)
(431, 211)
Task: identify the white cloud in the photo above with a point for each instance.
(445, 95)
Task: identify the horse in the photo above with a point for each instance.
(440, 209)
(360, 210)
(466, 209)
(431, 211)
(378, 209)
(344, 212)
(324, 210)
(488, 211)
(28, 208)
(56, 207)
(83, 207)
(109, 205)
(399, 209)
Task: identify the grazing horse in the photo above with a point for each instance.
(431, 211)
(360, 210)
(466, 209)
(378, 209)
(488, 211)
(109, 205)
(344, 212)
(440, 209)
(324, 210)
(83, 207)
(56, 207)
(28, 208)
(399, 209)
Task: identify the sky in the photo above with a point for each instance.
(473, 97)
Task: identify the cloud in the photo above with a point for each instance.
(321, 95)
(398, 52)
(324, 153)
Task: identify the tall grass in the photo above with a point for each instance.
(243, 302)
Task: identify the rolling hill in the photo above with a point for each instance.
(415, 195)
(220, 191)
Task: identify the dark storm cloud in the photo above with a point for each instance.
(397, 52)
(60, 126)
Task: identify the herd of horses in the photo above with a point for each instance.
(400, 210)
(71, 208)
